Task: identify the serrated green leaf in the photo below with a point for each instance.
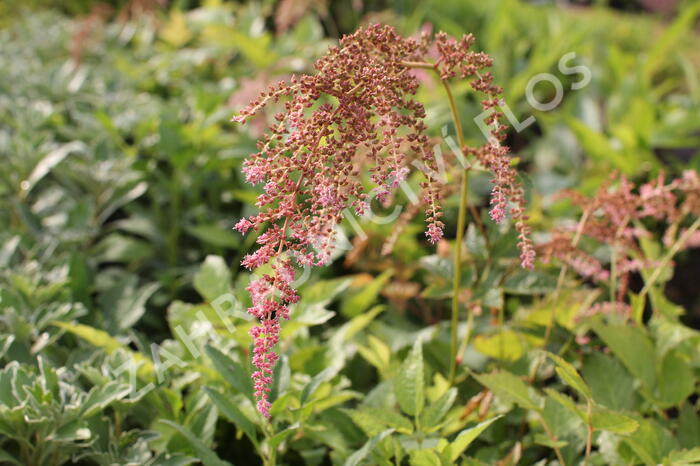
(433, 415)
(676, 380)
(611, 421)
(566, 402)
(633, 347)
(570, 376)
(409, 384)
(511, 388)
(651, 442)
(610, 383)
(467, 436)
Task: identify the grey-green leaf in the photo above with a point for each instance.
(233, 413)
(207, 456)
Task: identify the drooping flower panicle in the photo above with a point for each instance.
(616, 216)
(357, 110)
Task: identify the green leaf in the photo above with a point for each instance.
(467, 436)
(671, 39)
(511, 388)
(231, 371)
(669, 334)
(117, 247)
(359, 302)
(5, 343)
(688, 426)
(357, 457)
(366, 421)
(561, 420)
(527, 282)
(215, 235)
(102, 396)
(611, 384)
(281, 436)
(49, 161)
(424, 457)
(206, 455)
(597, 147)
(565, 402)
(542, 439)
(7, 250)
(432, 416)
(233, 414)
(74, 431)
(355, 325)
(5, 457)
(651, 442)
(125, 302)
(570, 376)
(676, 380)
(683, 457)
(633, 347)
(506, 345)
(389, 419)
(409, 383)
(103, 340)
(316, 381)
(213, 278)
(611, 421)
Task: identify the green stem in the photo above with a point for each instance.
(680, 242)
(552, 437)
(467, 336)
(613, 261)
(461, 226)
(175, 220)
(461, 223)
(270, 459)
(589, 433)
(555, 301)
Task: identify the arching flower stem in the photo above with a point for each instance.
(461, 226)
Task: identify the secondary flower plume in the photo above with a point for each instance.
(357, 110)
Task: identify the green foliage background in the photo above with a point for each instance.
(120, 181)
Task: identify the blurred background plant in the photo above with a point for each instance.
(121, 181)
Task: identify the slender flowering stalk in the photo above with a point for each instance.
(357, 110)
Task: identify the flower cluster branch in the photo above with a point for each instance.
(356, 111)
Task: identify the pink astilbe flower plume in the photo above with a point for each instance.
(357, 110)
(616, 216)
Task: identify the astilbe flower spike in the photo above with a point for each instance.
(616, 217)
(356, 110)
